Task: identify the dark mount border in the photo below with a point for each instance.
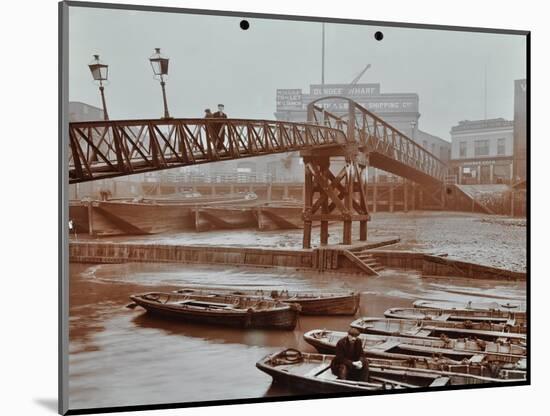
(136, 7)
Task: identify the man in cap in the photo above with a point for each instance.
(218, 127)
(350, 362)
(209, 128)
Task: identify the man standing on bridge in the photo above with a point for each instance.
(350, 362)
(218, 128)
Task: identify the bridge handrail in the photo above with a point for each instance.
(375, 117)
(408, 151)
(162, 121)
(109, 148)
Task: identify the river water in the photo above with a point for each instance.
(119, 356)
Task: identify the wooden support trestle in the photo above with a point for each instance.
(329, 197)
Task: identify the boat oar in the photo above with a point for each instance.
(392, 383)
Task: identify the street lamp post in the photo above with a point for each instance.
(99, 72)
(159, 64)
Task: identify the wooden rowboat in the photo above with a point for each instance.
(392, 347)
(236, 311)
(436, 329)
(478, 306)
(512, 319)
(311, 303)
(494, 371)
(312, 373)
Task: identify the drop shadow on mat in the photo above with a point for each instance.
(49, 404)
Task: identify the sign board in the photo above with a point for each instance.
(377, 104)
(357, 90)
(289, 99)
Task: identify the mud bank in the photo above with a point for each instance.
(476, 238)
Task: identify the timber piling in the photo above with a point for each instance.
(367, 258)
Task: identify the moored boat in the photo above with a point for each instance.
(478, 306)
(493, 370)
(312, 372)
(393, 347)
(435, 329)
(311, 303)
(236, 311)
(512, 319)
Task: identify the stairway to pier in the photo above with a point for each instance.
(366, 261)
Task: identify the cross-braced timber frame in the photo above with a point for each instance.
(330, 197)
(371, 141)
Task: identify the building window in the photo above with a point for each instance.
(481, 148)
(433, 149)
(501, 147)
(425, 144)
(462, 149)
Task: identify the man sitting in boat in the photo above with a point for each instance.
(350, 362)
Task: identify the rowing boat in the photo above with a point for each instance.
(312, 373)
(511, 319)
(237, 311)
(393, 347)
(311, 303)
(436, 329)
(479, 306)
(516, 310)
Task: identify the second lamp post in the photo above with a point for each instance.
(99, 72)
(159, 64)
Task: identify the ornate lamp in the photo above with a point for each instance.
(100, 72)
(159, 63)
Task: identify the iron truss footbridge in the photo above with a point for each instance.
(112, 148)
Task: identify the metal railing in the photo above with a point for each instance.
(377, 136)
(105, 149)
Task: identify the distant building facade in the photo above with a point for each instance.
(520, 130)
(482, 151)
(435, 145)
(79, 111)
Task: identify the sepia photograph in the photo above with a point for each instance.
(263, 207)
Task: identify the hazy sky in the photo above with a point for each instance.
(212, 60)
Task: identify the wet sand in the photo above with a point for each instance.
(491, 240)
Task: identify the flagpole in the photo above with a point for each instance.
(485, 95)
(323, 60)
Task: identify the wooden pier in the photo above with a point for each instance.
(321, 259)
(368, 258)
